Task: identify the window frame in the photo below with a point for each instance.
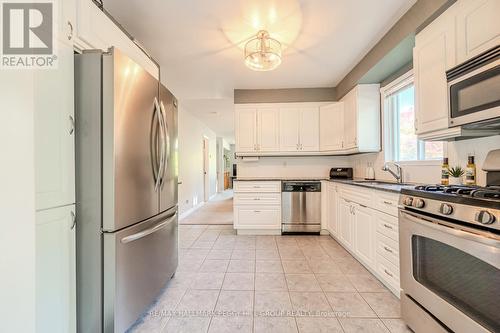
(390, 124)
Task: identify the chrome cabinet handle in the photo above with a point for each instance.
(256, 198)
(73, 220)
(162, 134)
(388, 203)
(388, 249)
(386, 272)
(256, 211)
(70, 35)
(388, 226)
(71, 125)
(166, 138)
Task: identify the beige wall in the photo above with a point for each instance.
(191, 133)
(242, 96)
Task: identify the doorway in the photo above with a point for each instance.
(206, 166)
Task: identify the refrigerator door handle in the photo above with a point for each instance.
(149, 231)
(162, 144)
(166, 141)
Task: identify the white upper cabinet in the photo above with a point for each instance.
(54, 126)
(331, 130)
(433, 54)
(362, 119)
(267, 129)
(309, 129)
(478, 27)
(289, 128)
(246, 129)
(95, 30)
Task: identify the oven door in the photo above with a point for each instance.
(452, 273)
(475, 96)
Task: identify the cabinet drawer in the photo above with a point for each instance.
(387, 225)
(386, 202)
(257, 186)
(257, 217)
(257, 199)
(357, 194)
(388, 248)
(388, 272)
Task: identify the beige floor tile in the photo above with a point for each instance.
(272, 303)
(268, 266)
(231, 324)
(189, 265)
(247, 254)
(265, 243)
(296, 266)
(198, 300)
(396, 326)
(366, 283)
(291, 253)
(335, 282)
(302, 282)
(267, 254)
(219, 254)
(270, 281)
(362, 325)
(207, 281)
(181, 280)
(351, 304)
(194, 253)
(187, 325)
(275, 325)
(385, 305)
(241, 266)
(310, 303)
(351, 266)
(239, 281)
(237, 301)
(324, 266)
(214, 266)
(318, 325)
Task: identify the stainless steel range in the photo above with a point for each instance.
(450, 258)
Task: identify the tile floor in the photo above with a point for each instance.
(229, 283)
(219, 210)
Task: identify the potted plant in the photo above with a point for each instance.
(456, 174)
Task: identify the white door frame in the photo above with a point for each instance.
(206, 169)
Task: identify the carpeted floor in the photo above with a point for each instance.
(219, 210)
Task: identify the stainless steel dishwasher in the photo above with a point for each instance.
(301, 207)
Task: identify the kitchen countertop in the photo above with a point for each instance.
(380, 185)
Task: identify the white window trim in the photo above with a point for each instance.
(387, 90)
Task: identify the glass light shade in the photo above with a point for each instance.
(263, 53)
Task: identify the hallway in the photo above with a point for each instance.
(219, 210)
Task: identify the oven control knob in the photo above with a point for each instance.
(419, 203)
(408, 201)
(485, 217)
(446, 209)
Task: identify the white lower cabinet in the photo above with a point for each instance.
(257, 207)
(55, 270)
(367, 226)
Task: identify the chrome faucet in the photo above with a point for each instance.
(399, 171)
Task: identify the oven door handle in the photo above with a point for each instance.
(479, 236)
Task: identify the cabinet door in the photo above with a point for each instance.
(350, 119)
(364, 234)
(309, 129)
(54, 137)
(246, 130)
(289, 129)
(332, 209)
(433, 54)
(331, 130)
(344, 223)
(257, 217)
(55, 282)
(268, 129)
(478, 27)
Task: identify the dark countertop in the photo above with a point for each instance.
(378, 185)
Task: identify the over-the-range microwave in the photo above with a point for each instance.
(474, 91)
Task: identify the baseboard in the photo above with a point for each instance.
(191, 210)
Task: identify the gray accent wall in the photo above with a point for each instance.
(293, 95)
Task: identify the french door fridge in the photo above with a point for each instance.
(126, 157)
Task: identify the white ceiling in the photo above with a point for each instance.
(196, 44)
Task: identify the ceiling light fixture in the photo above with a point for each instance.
(262, 53)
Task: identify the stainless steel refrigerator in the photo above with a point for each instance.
(126, 157)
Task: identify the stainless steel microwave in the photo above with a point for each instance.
(474, 90)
